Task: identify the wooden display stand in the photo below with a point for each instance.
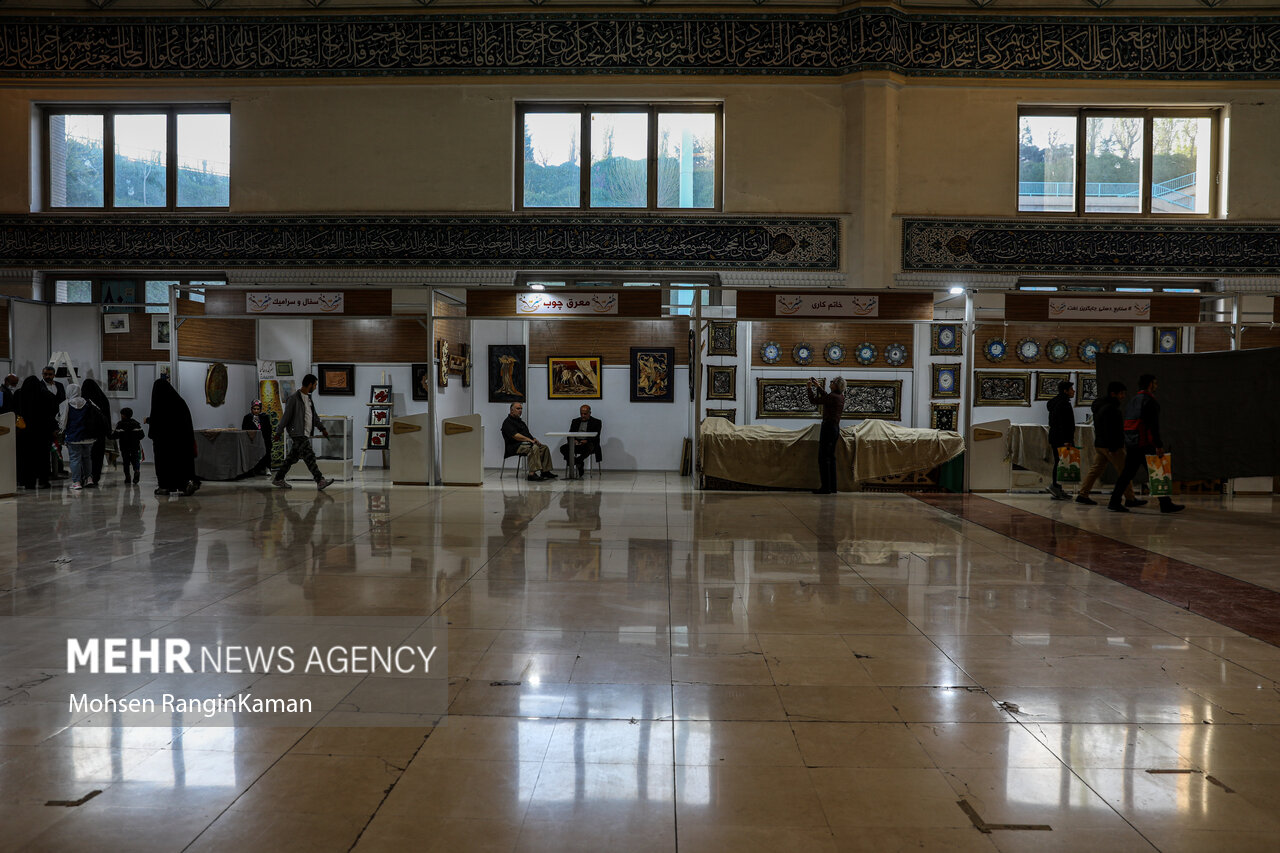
(377, 430)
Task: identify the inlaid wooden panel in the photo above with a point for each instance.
(1166, 309)
(760, 304)
(370, 341)
(356, 303)
(1042, 333)
(1256, 337)
(215, 340)
(612, 340)
(1213, 338)
(490, 302)
(818, 333)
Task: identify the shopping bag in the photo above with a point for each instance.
(1068, 464)
(1160, 475)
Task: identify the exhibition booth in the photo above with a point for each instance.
(437, 368)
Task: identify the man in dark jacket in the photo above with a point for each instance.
(300, 421)
(1108, 443)
(1062, 432)
(519, 440)
(1141, 438)
(583, 447)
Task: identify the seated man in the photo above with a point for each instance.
(518, 440)
(582, 447)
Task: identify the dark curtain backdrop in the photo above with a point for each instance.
(1219, 411)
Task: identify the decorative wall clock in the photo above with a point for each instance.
(1028, 350)
(834, 353)
(770, 353)
(895, 355)
(865, 353)
(995, 350)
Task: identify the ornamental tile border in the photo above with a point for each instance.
(1187, 248)
(615, 242)
(930, 44)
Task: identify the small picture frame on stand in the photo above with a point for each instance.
(380, 395)
(379, 416)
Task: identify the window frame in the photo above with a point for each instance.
(108, 113)
(184, 283)
(585, 109)
(1147, 114)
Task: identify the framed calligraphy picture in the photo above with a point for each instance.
(338, 379)
(944, 416)
(1086, 388)
(730, 415)
(574, 378)
(507, 382)
(946, 339)
(652, 374)
(1047, 383)
(722, 337)
(946, 381)
(873, 398)
(1002, 388)
(722, 382)
(784, 398)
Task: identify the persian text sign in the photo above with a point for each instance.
(826, 305)
(566, 303)
(274, 302)
(1099, 309)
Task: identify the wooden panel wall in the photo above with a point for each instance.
(356, 303)
(612, 340)
(1165, 309)
(369, 341)
(490, 302)
(451, 324)
(1257, 337)
(214, 340)
(1042, 333)
(4, 330)
(760, 304)
(818, 333)
(135, 344)
(1213, 338)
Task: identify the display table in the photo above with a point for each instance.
(571, 470)
(334, 455)
(225, 454)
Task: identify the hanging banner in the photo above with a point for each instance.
(1066, 308)
(275, 302)
(566, 303)
(826, 305)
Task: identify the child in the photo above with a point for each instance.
(128, 435)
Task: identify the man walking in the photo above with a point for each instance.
(300, 422)
(1108, 443)
(1141, 438)
(1062, 432)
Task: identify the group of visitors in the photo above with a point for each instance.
(1125, 432)
(51, 416)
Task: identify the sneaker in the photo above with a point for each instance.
(1056, 492)
(550, 475)
(1135, 502)
(1116, 508)
(1086, 500)
(536, 478)
(281, 484)
(75, 487)
(321, 485)
(92, 484)
(1172, 507)
(190, 488)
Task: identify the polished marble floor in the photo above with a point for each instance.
(636, 666)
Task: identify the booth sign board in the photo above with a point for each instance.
(278, 302)
(1074, 308)
(826, 305)
(560, 304)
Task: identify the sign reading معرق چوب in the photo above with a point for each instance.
(566, 303)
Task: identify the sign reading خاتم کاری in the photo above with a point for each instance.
(566, 303)
(825, 305)
(278, 302)
(1094, 309)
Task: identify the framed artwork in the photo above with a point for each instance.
(1086, 388)
(1002, 388)
(115, 324)
(466, 365)
(215, 384)
(652, 374)
(873, 398)
(284, 368)
(722, 382)
(380, 395)
(945, 339)
(946, 381)
(421, 381)
(377, 438)
(574, 377)
(118, 378)
(119, 292)
(161, 331)
(784, 398)
(730, 415)
(380, 416)
(722, 337)
(338, 379)
(1047, 383)
(1168, 340)
(286, 388)
(944, 416)
(442, 363)
(457, 364)
(164, 370)
(507, 380)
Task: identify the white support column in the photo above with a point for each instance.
(431, 386)
(696, 367)
(174, 373)
(970, 329)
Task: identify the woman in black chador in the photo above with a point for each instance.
(172, 440)
(92, 392)
(39, 412)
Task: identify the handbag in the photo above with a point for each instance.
(1068, 464)
(1160, 475)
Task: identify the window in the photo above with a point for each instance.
(126, 294)
(1117, 162)
(627, 156)
(677, 293)
(72, 291)
(157, 296)
(162, 158)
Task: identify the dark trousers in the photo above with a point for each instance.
(97, 453)
(1134, 459)
(300, 448)
(827, 456)
(131, 460)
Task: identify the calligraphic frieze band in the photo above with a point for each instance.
(1178, 248)
(837, 43)
(613, 242)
